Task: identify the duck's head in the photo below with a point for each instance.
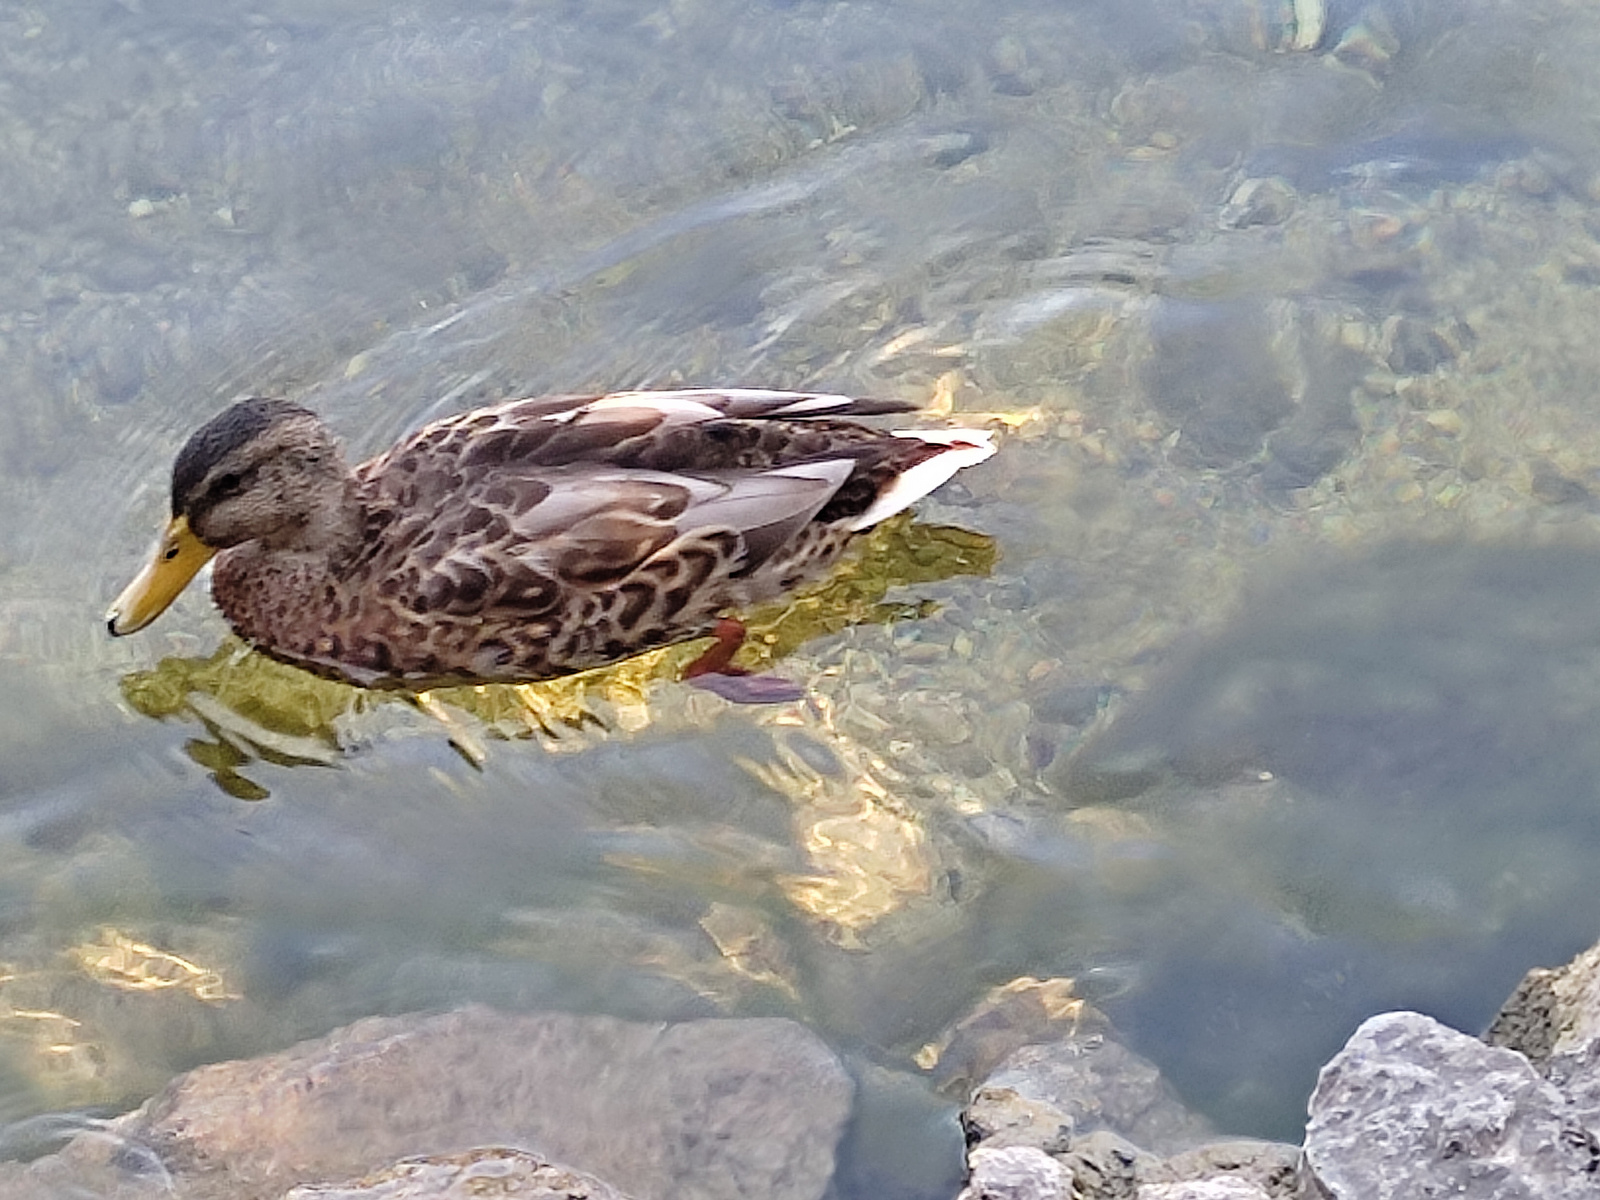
(263, 470)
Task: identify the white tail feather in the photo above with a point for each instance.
(966, 448)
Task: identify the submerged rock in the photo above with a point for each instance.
(1267, 200)
(704, 1109)
(1095, 1082)
(1216, 373)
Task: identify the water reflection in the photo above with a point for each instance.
(865, 847)
(254, 708)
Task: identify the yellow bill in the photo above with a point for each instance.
(178, 555)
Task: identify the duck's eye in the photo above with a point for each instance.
(227, 485)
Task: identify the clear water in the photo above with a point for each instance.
(1256, 694)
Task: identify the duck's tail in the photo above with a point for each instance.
(959, 448)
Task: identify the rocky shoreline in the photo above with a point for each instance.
(477, 1102)
(1409, 1107)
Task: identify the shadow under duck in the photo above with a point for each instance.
(531, 539)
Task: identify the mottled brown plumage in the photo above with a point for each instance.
(534, 538)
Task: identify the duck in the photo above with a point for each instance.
(534, 538)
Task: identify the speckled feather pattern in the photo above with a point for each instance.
(541, 537)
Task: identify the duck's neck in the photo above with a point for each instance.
(332, 529)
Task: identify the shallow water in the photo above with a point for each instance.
(1253, 691)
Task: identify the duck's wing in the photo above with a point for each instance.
(669, 430)
(516, 542)
(523, 504)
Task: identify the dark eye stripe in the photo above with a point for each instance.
(221, 436)
(225, 487)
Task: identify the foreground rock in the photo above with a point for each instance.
(1410, 1108)
(704, 1110)
(470, 1176)
(1553, 1018)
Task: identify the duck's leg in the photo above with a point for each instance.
(718, 658)
(714, 671)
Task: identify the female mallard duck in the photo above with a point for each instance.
(531, 539)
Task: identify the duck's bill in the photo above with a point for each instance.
(178, 556)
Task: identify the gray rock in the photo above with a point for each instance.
(1096, 1083)
(1016, 1173)
(1215, 372)
(1270, 1169)
(1106, 1167)
(1552, 1011)
(1411, 1108)
(1096, 1110)
(998, 1117)
(1529, 1022)
(1553, 1018)
(1577, 1077)
(704, 1109)
(1268, 201)
(1102, 1166)
(491, 1171)
(1418, 348)
(1226, 1188)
